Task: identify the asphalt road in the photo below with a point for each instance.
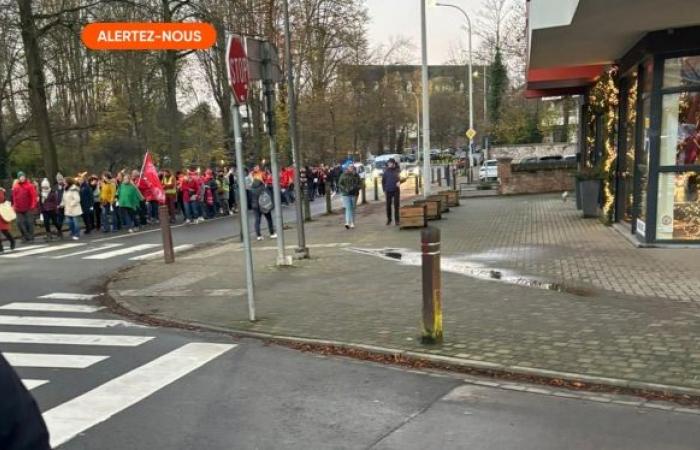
(104, 383)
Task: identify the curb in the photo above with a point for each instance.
(574, 381)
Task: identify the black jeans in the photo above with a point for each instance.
(395, 198)
(9, 237)
(268, 217)
(49, 218)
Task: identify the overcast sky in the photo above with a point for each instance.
(390, 18)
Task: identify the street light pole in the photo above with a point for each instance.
(471, 86)
(427, 178)
(415, 96)
(302, 251)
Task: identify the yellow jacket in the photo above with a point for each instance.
(108, 191)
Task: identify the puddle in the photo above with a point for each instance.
(462, 266)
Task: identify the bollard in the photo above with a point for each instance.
(164, 217)
(376, 189)
(447, 175)
(329, 207)
(364, 192)
(307, 205)
(439, 176)
(416, 182)
(432, 291)
(454, 179)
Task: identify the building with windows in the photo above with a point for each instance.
(635, 65)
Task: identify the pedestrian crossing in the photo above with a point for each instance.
(92, 251)
(35, 344)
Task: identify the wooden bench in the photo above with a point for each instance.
(433, 208)
(413, 216)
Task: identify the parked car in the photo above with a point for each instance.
(410, 170)
(552, 158)
(528, 159)
(489, 171)
(569, 158)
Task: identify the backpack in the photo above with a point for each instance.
(265, 202)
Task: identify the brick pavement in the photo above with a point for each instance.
(626, 313)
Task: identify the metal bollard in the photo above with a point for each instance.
(454, 179)
(376, 189)
(164, 217)
(416, 182)
(432, 290)
(439, 176)
(447, 175)
(364, 193)
(329, 207)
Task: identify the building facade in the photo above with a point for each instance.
(635, 66)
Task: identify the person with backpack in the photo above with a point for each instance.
(349, 187)
(262, 204)
(5, 222)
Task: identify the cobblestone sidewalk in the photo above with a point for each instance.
(624, 313)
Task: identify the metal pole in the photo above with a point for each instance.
(276, 190)
(432, 290)
(426, 101)
(243, 202)
(164, 217)
(329, 206)
(376, 189)
(302, 251)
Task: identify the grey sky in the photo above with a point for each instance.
(402, 18)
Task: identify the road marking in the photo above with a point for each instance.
(84, 252)
(52, 360)
(53, 307)
(122, 251)
(181, 293)
(108, 340)
(139, 233)
(38, 251)
(68, 296)
(67, 420)
(35, 321)
(178, 282)
(31, 384)
(159, 253)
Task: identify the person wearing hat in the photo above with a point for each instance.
(48, 205)
(24, 201)
(5, 224)
(391, 184)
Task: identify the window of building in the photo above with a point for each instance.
(682, 71)
(678, 216)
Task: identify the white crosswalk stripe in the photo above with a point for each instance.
(31, 384)
(159, 253)
(108, 340)
(50, 307)
(121, 251)
(85, 252)
(36, 321)
(52, 360)
(41, 250)
(68, 296)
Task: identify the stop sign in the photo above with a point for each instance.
(237, 64)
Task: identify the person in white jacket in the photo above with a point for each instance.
(71, 207)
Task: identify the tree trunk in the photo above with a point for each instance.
(37, 88)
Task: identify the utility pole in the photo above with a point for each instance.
(302, 251)
(427, 179)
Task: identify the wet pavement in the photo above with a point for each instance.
(526, 284)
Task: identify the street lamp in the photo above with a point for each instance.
(427, 176)
(486, 117)
(471, 98)
(415, 96)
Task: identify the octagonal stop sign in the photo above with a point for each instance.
(237, 65)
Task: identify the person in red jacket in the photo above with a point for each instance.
(25, 201)
(5, 226)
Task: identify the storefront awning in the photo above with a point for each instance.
(561, 80)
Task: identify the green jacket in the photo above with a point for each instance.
(129, 196)
(349, 183)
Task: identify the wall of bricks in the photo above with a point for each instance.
(539, 180)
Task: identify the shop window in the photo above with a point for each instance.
(682, 72)
(643, 164)
(678, 215)
(680, 129)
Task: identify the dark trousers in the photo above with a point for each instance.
(25, 223)
(268, 217)
(9, 237)
(395, 199)
(51, 217)
(89, 220)
(97, 213)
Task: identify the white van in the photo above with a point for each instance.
(381, 161)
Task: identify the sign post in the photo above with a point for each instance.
(237, 67)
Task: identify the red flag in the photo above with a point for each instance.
(150, 174)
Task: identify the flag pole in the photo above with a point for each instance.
(143, 166)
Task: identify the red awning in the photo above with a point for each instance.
(571, 80)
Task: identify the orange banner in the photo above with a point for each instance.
(148, 36)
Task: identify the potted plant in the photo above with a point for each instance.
(589, 182)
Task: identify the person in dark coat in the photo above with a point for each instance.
(391, 184)
(256, 190)
(21, 424)
(86, 203)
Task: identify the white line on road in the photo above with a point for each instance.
(38, 251)
(67, 420)
(122, 251)
(68, 296)
(159, 253)
(35, 321)
(107, 340)
(148, 292)
(84, 252)
(156, 229)
(52, 360)
(52, 307)
(31, 384)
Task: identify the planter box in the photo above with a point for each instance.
(452, 198)
(443, 201)
(433, 208)
(413, 216)
(590, 193)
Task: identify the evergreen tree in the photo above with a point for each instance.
(498, 78)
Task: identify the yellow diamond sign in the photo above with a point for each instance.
(471, 133)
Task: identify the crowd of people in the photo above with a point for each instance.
(126, 202)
